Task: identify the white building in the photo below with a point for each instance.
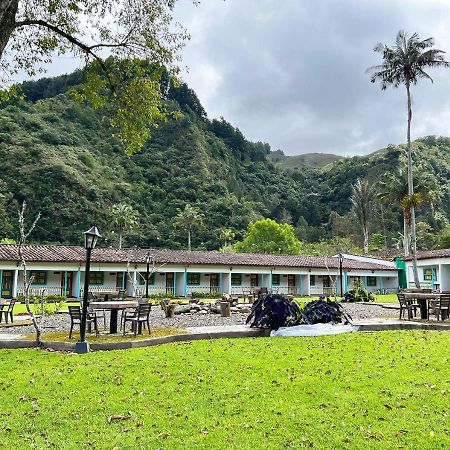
(60, 270)
(434, 270)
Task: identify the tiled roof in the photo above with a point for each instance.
(431, 254)
(62, 253)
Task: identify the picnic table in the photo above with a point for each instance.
(114, 307)
(422, 299)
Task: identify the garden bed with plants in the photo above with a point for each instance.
(364, 390)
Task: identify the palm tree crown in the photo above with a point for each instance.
(188, 219)
(405, 63)
(123, 218)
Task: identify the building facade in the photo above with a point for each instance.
(434, 270)
(59, 270)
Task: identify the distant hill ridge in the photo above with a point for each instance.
(310, 160)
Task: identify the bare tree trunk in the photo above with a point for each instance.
(405, 236)
(8, 11)
(411, 192)
(189, 240)
(366, 240)
(120, 239)
(27, 282)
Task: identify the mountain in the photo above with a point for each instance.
(308, 160)
(61, 158)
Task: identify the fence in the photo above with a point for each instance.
(43, 291)
(203, 289)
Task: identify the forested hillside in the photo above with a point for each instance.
(60, 157)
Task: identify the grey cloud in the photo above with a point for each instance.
(292, 72)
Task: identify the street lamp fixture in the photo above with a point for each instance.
(148, 260)
(90, 241)
(341, 280)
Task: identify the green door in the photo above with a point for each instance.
(7, 283)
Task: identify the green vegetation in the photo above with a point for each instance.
(309, 160)
(268, 236)
(363, 390)
(59, 155)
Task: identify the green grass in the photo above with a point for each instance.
(357, 391)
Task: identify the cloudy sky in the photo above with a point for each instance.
(292, 72)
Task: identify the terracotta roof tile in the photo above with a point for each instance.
(62, 253)
(429, 254)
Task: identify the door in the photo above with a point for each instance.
(170, 279)
(214, 283)
(254, 280)
(66, 280)
(7, 283)
(291, 285)
(326, 285)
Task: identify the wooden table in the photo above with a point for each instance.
(114, 308)
(422, 298)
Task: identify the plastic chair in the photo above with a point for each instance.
(139, 317)
(8, 312)
(75, 319)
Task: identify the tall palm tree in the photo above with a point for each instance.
(362, 199)
(404, 64)
(393, 188)
(188, 219)
(123, 218)
(226, 236)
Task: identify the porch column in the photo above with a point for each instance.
(124, 280)
(134, 283)
(79, 283)
(220, 283)
(262, 280)
(1, 282)
(300, 284)
(345, 282)
(16, 281)
(65, 283)
(270, 281)
(381, 284)
(174, 283)
(308, 284)
(185, 283)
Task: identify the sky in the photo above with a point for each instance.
(293, 72)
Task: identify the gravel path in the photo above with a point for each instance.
(61, 322)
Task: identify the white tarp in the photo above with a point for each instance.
(319, 329)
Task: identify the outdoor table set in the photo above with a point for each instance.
(425, 302)
(113, 307)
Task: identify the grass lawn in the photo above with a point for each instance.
(363, 390)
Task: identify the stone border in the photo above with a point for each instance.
(239, 333)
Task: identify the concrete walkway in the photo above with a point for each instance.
(218, 332)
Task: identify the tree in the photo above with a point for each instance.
(393, 188)
(188, 219)
(123, 218)
(269, 236)
(226, 236)
(362, 199)
(113, 37)
(405, 64)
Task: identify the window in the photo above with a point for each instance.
(236, 279)
(141, 278)
(39, 277)
(193, 279)
(96, 277)
(312, 280)
(275, 279)
(428, 274)
(371, 281)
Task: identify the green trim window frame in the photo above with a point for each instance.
(141, 278)
(428, 274)
(236, 279)
(193, 279)
(96, 278)
(312, 280)
(371, 281)
(39, 277)
(276, 279)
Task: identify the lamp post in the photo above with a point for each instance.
(90, 240)
(149, 260)
(341, 259)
